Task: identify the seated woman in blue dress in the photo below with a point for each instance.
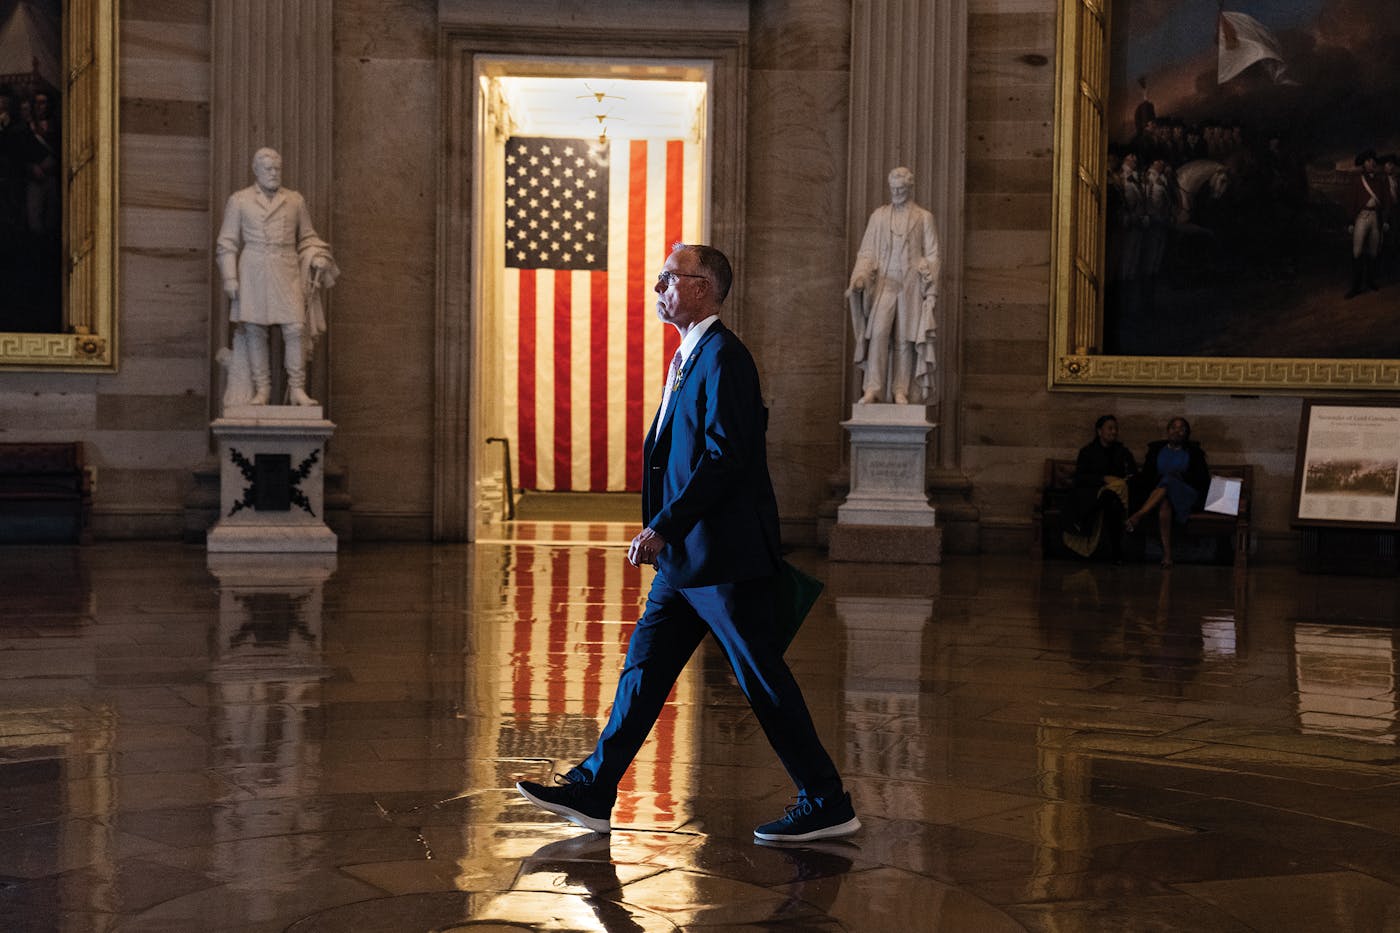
(1175, 478)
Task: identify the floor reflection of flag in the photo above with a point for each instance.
(573, 609)
(587, 229)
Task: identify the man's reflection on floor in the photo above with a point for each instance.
(808, 875)
(818, 868)
(583, 862)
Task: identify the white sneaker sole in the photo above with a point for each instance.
(590, 823)
(847, 828)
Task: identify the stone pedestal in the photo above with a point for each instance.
(271, 480)
(886, 517)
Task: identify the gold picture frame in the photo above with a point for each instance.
(88, 340)
(1078, 254)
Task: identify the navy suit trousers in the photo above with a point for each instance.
(674, 623)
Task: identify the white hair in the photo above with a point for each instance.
(903, 175)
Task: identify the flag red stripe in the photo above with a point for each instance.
(675, 174)
(636, 307)
(563, 385)
(556, 668)
(674, 192)
(598, 382)
(520, 581)
(665, 735)
(597, 575)
(631, 604)
(525, 382)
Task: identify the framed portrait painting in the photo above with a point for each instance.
(1348, 471)
(58, 138)
(1227, 195)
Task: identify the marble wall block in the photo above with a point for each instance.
(1010, 102)
(1007, 283)
(164, 310)
(385, 240)
(161, 378)
(1009, 210)
(165, 171)
(795, 244)
(155, 228)
(188, 118)
(796, 148)
(807, 35)
(1013, 139)
(44, 411)
(1007, 7)
(1003, 356)
(186, 411)
(376, 30)
(995, 34)
(147, 489)
(163, 60)
(1010, 176)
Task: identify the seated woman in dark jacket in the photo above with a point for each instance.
(1174, 479)
(1098, 502)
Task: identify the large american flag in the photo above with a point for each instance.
(587, 226)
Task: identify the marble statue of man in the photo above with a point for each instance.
(273, 267)
(893, 291)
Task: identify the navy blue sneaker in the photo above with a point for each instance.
(576, 801)
(812, 818)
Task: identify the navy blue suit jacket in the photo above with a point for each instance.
(705, 483)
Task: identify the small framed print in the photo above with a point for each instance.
(1348, 469)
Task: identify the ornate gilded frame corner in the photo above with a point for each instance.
(88, 342)
(1077, 254)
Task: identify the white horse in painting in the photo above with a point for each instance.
(1194, 177)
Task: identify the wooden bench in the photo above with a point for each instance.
(45, 494)
(1057, 481)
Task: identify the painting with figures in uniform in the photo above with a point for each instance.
(31, 165)
(1240, 225)
(1237, 219)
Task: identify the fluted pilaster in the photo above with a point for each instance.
(909, 107)
(272, 86)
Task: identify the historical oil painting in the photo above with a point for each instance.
(1251, 207)
(31, 166)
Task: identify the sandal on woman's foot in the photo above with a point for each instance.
(1129, 526)
(1166, 563)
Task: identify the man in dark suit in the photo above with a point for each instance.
(711, 529)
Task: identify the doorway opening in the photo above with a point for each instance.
(586, 171)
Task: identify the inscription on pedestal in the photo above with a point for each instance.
(880, 470)
(271, 482)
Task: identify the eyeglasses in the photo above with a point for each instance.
(666, 278)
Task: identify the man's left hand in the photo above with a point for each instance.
(645, 547)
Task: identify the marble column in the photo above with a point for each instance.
(272, 86)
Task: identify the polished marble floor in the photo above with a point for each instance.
(311, 744)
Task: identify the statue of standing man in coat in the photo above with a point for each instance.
(893, 292)
(273, 267)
